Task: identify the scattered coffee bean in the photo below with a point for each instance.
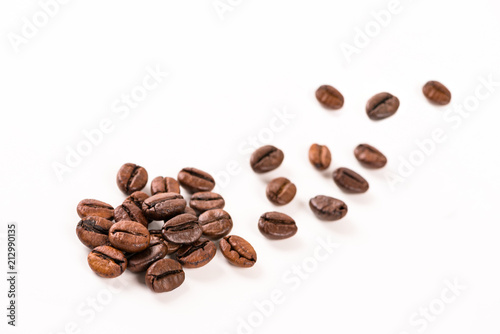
(350, 181)
(141, 261)
(328, 208)
(197, 254)
(329, 97)
(369, 156)
(280, 191)
(182, 229)
(215, 223)
(129, 236)
(93, 231)
(204, 201)
(164, 185)
(164, 275)
(437, 93)
(163, 206)
(276, 225)
(190, 211)
(107, 261)
(320, 156)
(131, 177)
(171, 247)
(195, 180)
(138, 197)
(266, 158)
(238, 251)
(93, 207)
(381, 106)
(130, 211)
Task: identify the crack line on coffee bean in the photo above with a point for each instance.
(129, 232)
(278, 221)
(194, 248)
(383, 101)
(132, 175)
(95, 206)
(200, 176)
(266, 155)
(89, 225)
(106, 257)
(231, 248)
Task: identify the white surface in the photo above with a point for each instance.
(396, 246)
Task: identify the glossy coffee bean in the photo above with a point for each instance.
(328, 208)
(129, 236)
(93, 231)
(320, 156)
(266, 158)
(141, 261)
(238, 251)
(182, 229)
(329, 97)
(190, 211)
(277, 225)
(162, 184)
(130, 211)
(196, 254)
(171, 247)
(138, 197)
(215, 223)
(369, 156)
(107, 261)
(437, 93)
(164, 275)
(204, 201)
(195, 180)
(131, 177)
(163, 206)
(350, 181)
(93, 207)
(381, 106)
(280, 191)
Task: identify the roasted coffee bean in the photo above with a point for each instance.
(130, 211)
(163, 206)
(328, 208)
(238, 251)
(107, 261)
(162, 184)
(329, 97)
(196, 254)
(381, 106)
(320, 156)
(131, 177)
(138, 197)
(195, 180)
(171, 247)
(369, 156)
(437, 93)
(93, 231)
(164, 275)
(266, 158)
(129, 236)
(204, 201)
(182, 229)
(280, 191)
(215, 223)
(276, 225)
(350, 181)
(93, 207)
(141, 261)
(190, 211)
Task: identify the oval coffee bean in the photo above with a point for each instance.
(328, 208)
(350, 181)
(93, 231)
(107, 261)
(138, 197)
(266, 158)
(164, 275)
(130, 211)
(215, 223)
(320, 156)
(190, 211)
(131, 177)
(204, 201)
(163, 206)
(93, 207)
(141, 261)
(277, 225)
(195, 180)
(171, 247)
(370, 156)
(381, 106)
(182, 229)
(129, 236)
(164, 185)
(329, 97)
(238, 251)
(197, 254)
(437, 93)
(280, 191)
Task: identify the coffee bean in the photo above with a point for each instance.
(350, 181)
(164, 185)
(182, 229)
(155, 251)
(328, 208)
(93, 231)
(329, 97)
(266, 158)
(129, 236)
(138, 197)
(131, 177)
(320, 156)
(92, 207)
(238, 251)
(437, 93)
(130, 211)
(163, 206)
(195, 180)
(381, 106)
(190, 211)
(215, 223)
(196, 254)
(204, 201)
(280, 191)
(276, 225)
(171, 247)
(164, 275)
(107, 261)
(369, 156)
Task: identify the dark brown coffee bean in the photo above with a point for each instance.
(163, 206)
(204, 201)
(280, 191)
(437, 93)
(320, 156)
(266, 158)
(350, 181)
(190, 211)
(107, 261)
(277, 225)
(93, 231)
(93, 207)
(329, 97)
(196, 254)
(162, 184)
(369, 156)
(138, 197)
(130, 211)
(238, 251)
(171, 247)
(328, 208)
(164, 275)
(129, 236)
(195, 180)
(182, 229)
(215, 223)
(131, 177)
(141, 261)
(381, 106)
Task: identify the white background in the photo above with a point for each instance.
(398, 244)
